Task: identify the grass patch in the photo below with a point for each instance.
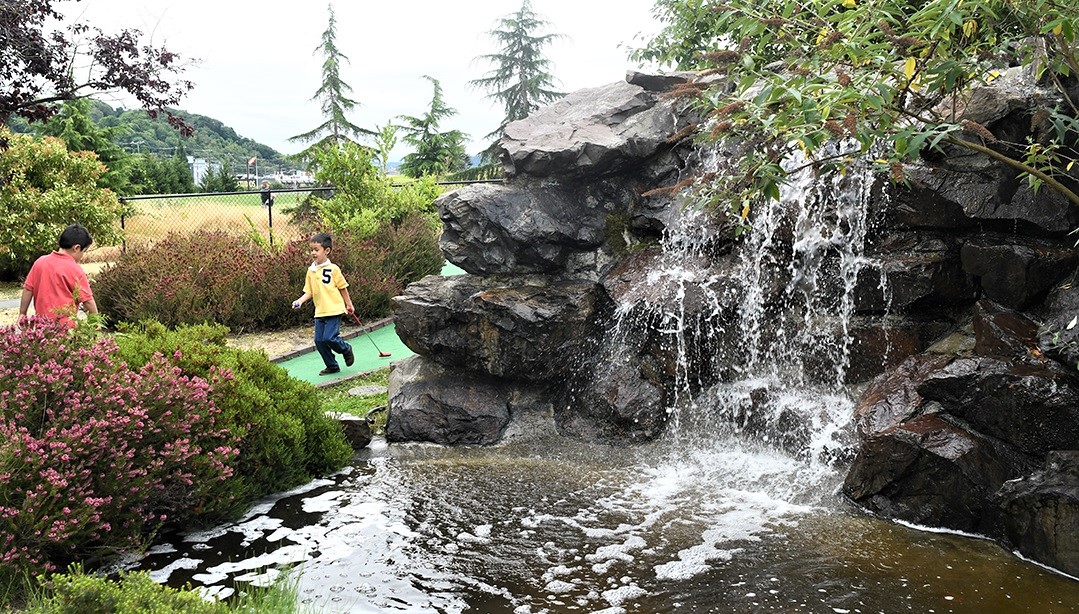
(335, 398)
(78, 592)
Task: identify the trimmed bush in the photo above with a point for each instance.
(221, 278)
(95, 456)
(285, 439)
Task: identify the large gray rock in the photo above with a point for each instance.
(589, 132)
(491, 229)
(532, 331)
(893, 398)
(428, 402)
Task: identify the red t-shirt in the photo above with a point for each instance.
(53, 280)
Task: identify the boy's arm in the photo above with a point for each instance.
(296, 304)
(90, 306)
(348, 301)
(24, 302)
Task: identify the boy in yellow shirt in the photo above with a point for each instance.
(327, 288)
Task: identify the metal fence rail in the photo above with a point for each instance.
(149, 218)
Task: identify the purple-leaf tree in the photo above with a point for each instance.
(40, 66)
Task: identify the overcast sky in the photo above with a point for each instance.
(257, 69)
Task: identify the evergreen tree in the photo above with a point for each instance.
(520, 79)
(332, 95)
(436, 152)
(74, 125)
(220, 179)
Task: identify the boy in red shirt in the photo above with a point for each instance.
(56, 284)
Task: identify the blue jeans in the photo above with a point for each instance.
(328, 340)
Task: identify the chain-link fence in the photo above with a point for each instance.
(150, 218)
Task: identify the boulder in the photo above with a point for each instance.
(1058, 336)
(522, 331)
(590, 132)
(1041, 512)
(428, 402)
(491, 229)
(892, 397)
(1003, 333)
(1015, 273)
(1033, 407)
(932, 472)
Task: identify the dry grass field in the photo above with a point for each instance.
(240, 214)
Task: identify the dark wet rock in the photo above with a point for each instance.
(1034, 407)
(428, 402)
(357, 431)
(912, 276)
(1041, 512)
(658, 82)
(932, 472)
(1058, 336)
(526, 331)
(614, 401)
(1003, 333)
(1015, 274)
(892, 397)
(878, 344)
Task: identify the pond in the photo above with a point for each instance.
(544, 524)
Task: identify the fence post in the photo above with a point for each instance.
(269, 214)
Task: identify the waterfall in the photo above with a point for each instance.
(762, 331)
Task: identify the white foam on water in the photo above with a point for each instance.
(162, 575)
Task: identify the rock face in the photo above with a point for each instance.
(966, 322)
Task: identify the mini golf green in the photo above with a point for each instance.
(305, 364)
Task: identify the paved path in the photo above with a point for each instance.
(9, 303)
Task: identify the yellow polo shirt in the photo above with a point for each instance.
(324, 283)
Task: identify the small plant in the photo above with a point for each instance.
(76, 592)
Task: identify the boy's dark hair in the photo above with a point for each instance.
(323, 239)
(75, 235)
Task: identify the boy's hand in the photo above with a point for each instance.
(349, 309)
(296, 304)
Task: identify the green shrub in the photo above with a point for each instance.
(96, 455)
(285, 439)
(201, 277)
(44, 188)
(136, 593)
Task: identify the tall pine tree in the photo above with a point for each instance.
(436, 152)
(521, 78)
(332, 95)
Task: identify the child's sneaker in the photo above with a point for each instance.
(330, 371)
(350, 357)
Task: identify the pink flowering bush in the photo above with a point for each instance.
(95, 456)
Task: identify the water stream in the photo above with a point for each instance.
(734, 509)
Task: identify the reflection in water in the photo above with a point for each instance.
(550, 525)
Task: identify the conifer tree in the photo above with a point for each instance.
(521, 78)
(332, 95)
(436, 152)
